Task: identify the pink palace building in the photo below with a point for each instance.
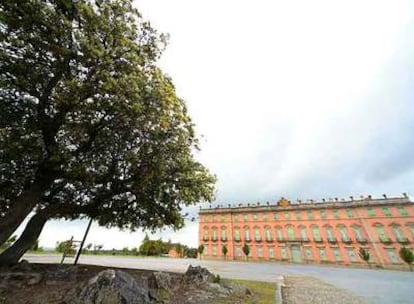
(331, 231)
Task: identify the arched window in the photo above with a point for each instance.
(214, 238)
(329, 234)
(344, 234)
(381, 233)
(223, 233)
(257, 235)
(303, 233)
(316, 234)
(237, 234)
(358, 234)
(268, 234)
(279, 233)
(290, 232)
(246, 234)
(398, 233)
(205, 234)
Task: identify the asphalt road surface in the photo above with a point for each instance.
(377, 286)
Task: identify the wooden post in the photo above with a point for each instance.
(83, 242)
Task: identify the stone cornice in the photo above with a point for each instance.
(367, 202)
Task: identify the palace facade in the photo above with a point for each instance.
(311, 232)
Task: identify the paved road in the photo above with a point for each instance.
(377, 286)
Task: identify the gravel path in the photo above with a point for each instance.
(309, 290)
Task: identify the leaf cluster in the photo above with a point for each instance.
(406, 255)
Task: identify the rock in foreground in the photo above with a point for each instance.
(111, 287)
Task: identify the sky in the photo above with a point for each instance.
(300, 99)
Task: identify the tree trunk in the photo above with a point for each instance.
(20, 209)
(29, 236)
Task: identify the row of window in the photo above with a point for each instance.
(308, 253)
(310, 215)
(289, 233)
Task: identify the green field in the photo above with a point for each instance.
(263, 293)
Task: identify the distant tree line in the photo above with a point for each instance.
(159, 247)
(147, 248)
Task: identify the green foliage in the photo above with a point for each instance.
(364, 254)
(246, 250)
(9, 242)
(67, 247)
(158, 247)
(153, 247)
(216, 279)
(200, 250)
(407, 256)
(89, 119)
(191, 252)
(262, 292)
(224, 250)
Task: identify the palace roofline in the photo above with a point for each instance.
(310, 204)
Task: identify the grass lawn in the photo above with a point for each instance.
(263, 293)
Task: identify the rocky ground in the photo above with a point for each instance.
(302, 289)
(67, 284)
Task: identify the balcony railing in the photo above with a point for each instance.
(205, 238)
(258, 238)
(237, 240)
(269, 240)
(318, 240)
(292, 239)
(214, 238)
(402, 240)
(361, 240)
(248, 240)
(346, 240)
(385, 240)
(331, 240)
(224, 239)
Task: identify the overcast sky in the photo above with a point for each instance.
(301, 99)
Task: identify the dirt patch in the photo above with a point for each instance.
(303, 289)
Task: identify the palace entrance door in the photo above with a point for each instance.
(296, 253)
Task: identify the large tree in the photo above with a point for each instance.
(89, 126)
